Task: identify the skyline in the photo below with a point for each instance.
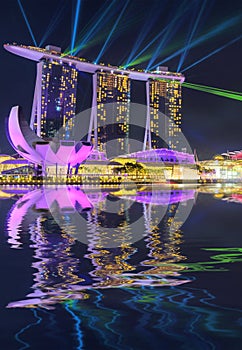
(55, 100)
(204, 116)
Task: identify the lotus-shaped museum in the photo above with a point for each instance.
(39, 151)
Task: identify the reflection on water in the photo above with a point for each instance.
(108, 226)
(106, 254)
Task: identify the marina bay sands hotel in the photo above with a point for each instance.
(55, 98)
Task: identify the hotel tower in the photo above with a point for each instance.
(54, 102)
(113, 103)
(165, 97)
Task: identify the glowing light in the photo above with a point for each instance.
(77, 13)
(146, 47)
(215, 31)
(90, 43)
(27, 23)
(146, 27)
(191, 34)
(171, 29)
(213, 53)
(53, 23)
(138, 61)
(111, 32)
(17, 335)
(215, 91)
(231, 255)
(77, 324)
(107, 325)
(95, 25)
(148, 56)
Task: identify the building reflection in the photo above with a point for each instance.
(231, 192)
(80, 278)
(84, 241)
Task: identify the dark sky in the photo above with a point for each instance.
(212, 124)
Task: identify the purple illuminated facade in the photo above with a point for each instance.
(156, 197)
(37, 150)
(64, 152)
(163, 155)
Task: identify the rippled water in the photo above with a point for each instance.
(121, 268)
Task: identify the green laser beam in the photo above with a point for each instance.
(228, 256)
(215, 91)
(215, 88)
(139, 60)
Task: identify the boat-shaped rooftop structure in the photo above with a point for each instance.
(37, 54)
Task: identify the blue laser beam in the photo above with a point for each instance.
(213, 53)
(111, 32)
(96, 24)
(191, 35)
(170, 31)
(51, 325)
(168, 34)
(107, 325)
(77, 13)
(146, 27)
(146, 47)
(53, 23)
(89, 30)
(164, 30)
(77, 326)
(217, 30)
(27, 23)
(22, 330)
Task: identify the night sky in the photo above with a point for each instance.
(212, 124)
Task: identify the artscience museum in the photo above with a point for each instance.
(40, 151)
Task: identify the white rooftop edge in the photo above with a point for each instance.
(36, 54)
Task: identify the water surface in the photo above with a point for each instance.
(121, 268)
